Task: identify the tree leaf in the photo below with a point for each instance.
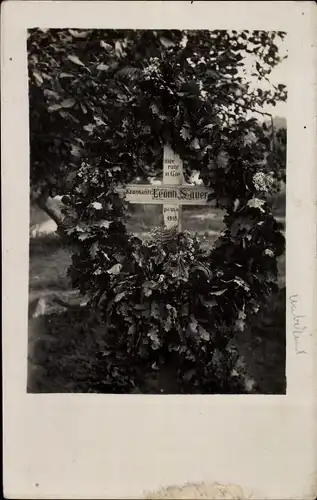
(54, 107)
(166, 42)
(222, 159)
(155, 310)
(89, 128)
(119, 296)
(102, 67)
(217, 292)
(139, 307)
(78, 34)
(243, 284)
(66, 75)
(210, 126)
(105, 45)
(154, 109)
(209, 303)
(104, 224)
(168, 323)
(147, 288)
(155, 340)
(132, 329)
(118, 48)
(38, 77)
(185, 133)
(68, 103)
(195, 143)
(192, 326)
(256, 203)
(203, 333)
(84, 236)
(115, 269)
(51, 93)
(189, 375)
(96, 205)
(94, 249)
(131, 74)
(75, 60)
(200, 266)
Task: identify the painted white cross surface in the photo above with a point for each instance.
(172, 193)
(173, 176)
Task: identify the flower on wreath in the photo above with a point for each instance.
(256, 203)
(263, 181)
(269, 253)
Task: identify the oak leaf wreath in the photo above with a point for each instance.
(171, 297)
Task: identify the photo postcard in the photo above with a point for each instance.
(159, 249)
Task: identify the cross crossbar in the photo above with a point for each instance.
(172, 193)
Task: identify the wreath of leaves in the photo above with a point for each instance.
(160, 296)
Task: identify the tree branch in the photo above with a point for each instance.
(273, 135)
(263, 113)
(53, 214)
(64, 303)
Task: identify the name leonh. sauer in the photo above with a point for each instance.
(178, 194)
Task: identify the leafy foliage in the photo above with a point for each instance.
(113, 97)
(78, 359)
(103, 104)
(175, 301)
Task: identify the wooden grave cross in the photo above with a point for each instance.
(172, 193)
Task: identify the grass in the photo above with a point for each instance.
(143, 218)
(62, 352)
(62, 345)
(263, 345)
(49, 262)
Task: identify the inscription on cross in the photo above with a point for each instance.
(172, 193)
(173, 176)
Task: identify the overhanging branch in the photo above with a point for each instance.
(51, 212)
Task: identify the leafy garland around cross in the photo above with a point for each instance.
(163, 304)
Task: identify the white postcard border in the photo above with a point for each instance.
(108, 446)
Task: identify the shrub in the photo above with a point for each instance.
(170, 305)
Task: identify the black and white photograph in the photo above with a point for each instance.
(159, 249)
(157, 211)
